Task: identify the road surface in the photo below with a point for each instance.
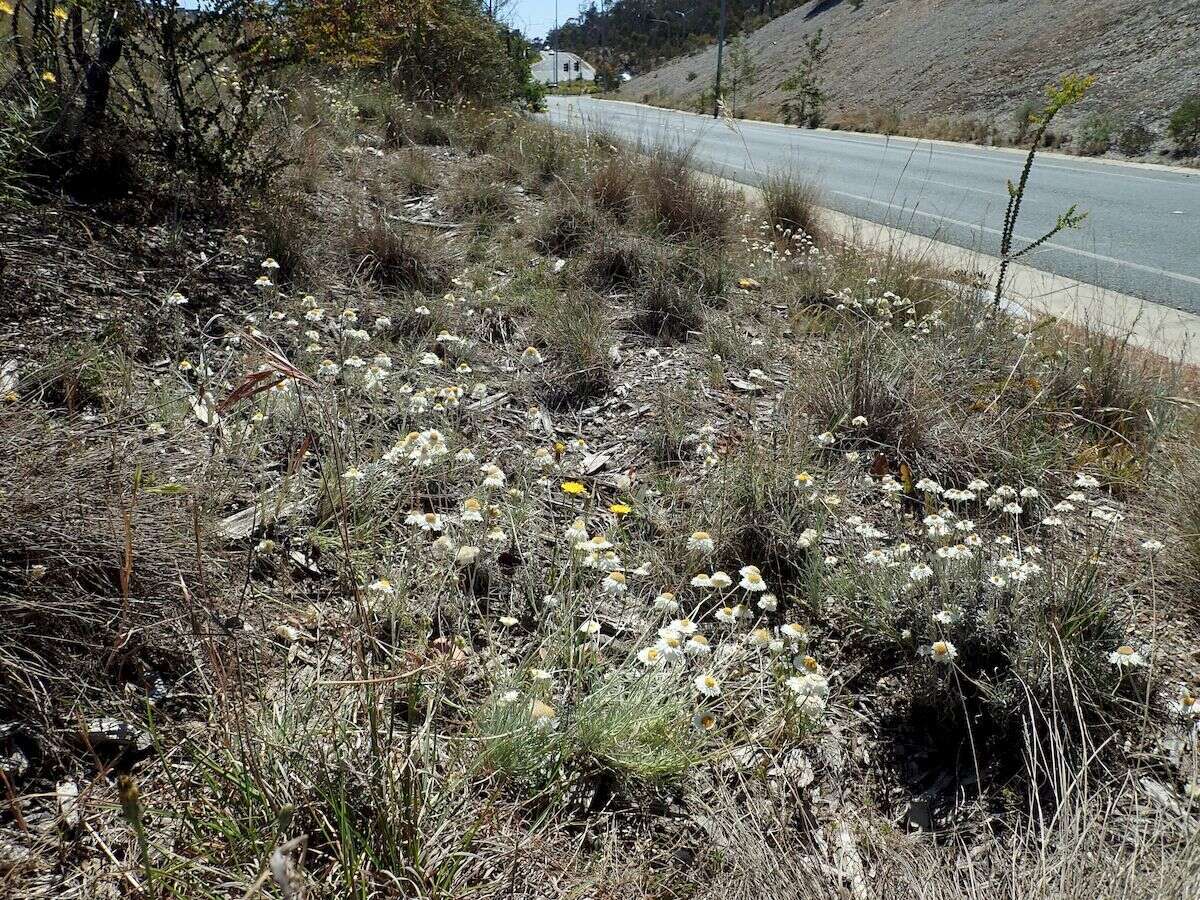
(1141, 236)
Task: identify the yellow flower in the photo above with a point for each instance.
(60, 13)
(6, 7)
(620, 509)
(574, 488)
(49, 78)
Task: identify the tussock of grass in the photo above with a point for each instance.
(791, 205)
(395, 256)
(679, 205)
(569, 225)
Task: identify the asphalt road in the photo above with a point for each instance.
(1141, 235)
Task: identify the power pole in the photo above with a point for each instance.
(556, 43)
(720, 55)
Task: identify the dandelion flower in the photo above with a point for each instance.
(707, 685)
(620, 510)
(573, 488)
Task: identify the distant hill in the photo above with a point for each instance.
(636, 35)
(959, 60)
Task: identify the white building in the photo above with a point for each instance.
(569, 67)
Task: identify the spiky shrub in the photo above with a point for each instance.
(1185, 125)
(1095, 135)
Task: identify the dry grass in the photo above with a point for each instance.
(396, 256)
(420, 684)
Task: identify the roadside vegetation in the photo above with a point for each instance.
(466, 509)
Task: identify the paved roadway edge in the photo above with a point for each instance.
(1169, 332)
(1186, 171)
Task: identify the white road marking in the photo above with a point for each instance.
(1179, 276)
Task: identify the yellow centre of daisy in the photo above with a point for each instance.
(1125, 650)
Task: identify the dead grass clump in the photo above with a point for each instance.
(669, 308)
(869, 379)
(413, 172)
(545, 153)
(621, 261)
(614, 187)
(567, 226)
(791, 205)
(578, 335)
(478, 196)
(285, 236)
(97, 552)
(396, 257)
(1113, 394)
(680, 206)
(405, 125)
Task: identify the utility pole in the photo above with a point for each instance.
(720, 54)
(556, 43)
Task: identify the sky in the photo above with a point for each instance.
(536, 17)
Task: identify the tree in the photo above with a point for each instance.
(742, 69)
(807, 98)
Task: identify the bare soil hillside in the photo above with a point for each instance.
(976, 59)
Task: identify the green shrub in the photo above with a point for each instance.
(1095, 135)
(1135, 139)
(1185, 125)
